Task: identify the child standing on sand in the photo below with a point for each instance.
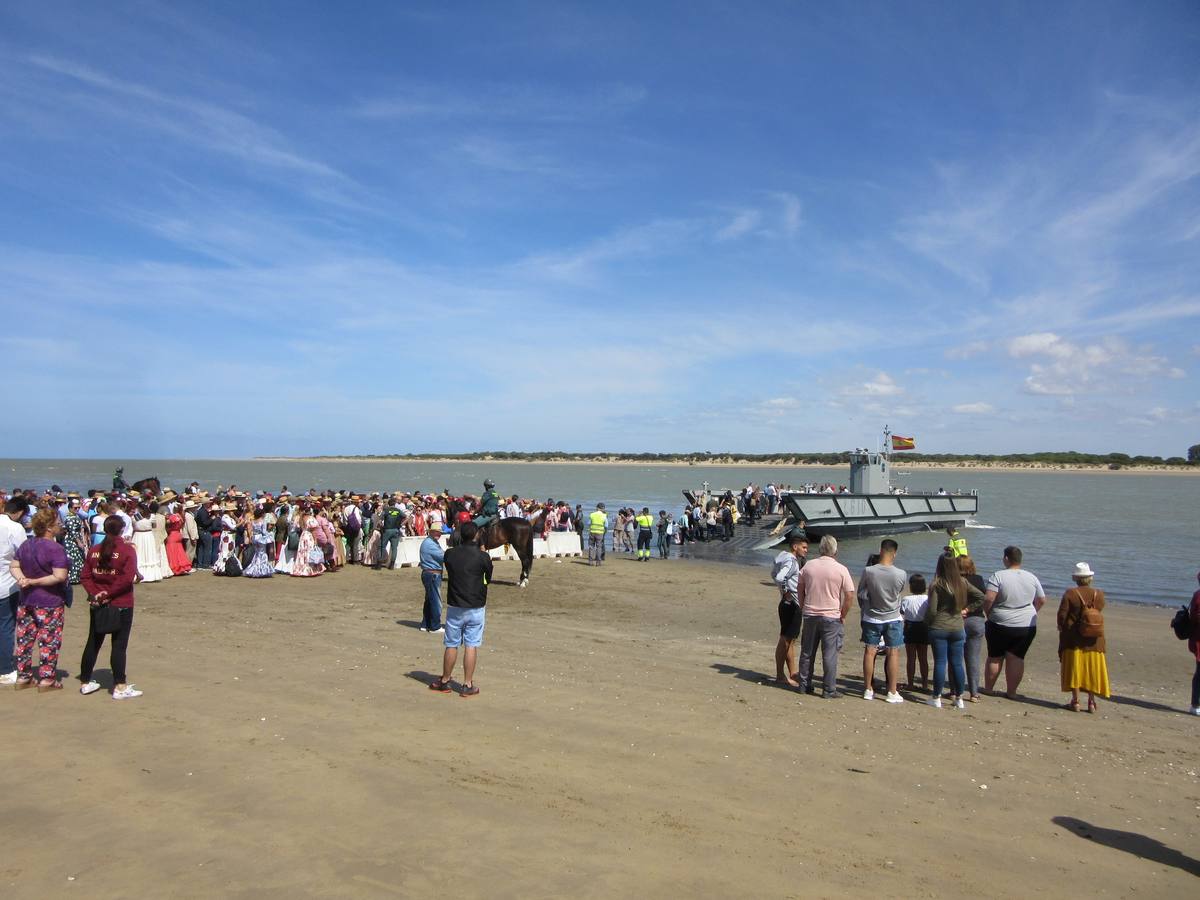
(916, 634)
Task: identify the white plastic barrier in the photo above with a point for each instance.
(563, 543)
(541, 548)
(408, 553)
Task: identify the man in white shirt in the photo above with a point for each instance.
(513, 509)
(786, 574)
(12, 536)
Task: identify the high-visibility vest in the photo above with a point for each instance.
(598, 522)
(958, 546)
(646, 522)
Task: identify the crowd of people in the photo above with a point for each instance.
(110, 542)
(978, 629)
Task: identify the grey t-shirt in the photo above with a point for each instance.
(1015, 590)
(880, 589)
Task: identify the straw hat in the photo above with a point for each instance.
(1082, 570)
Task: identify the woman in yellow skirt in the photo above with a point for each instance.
(1081, 640)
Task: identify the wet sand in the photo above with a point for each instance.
(626, 742)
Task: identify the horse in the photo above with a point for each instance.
(511, 532)
(147, 487)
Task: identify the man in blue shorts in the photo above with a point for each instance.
(879, 592)
(468, 571)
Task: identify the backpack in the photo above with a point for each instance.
(1181, 624)
(354, 520)
(1091, 621)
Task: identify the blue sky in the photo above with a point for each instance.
(234, 229)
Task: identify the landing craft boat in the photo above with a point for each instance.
(871, 506)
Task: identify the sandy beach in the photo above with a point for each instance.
(626, 742)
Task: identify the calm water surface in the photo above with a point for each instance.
(1139, 532)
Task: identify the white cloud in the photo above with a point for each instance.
(1043, 342)
(974, 409)
(882, 385)
(742, 223)
(967, 350)
(791, 213)
(1107, 366)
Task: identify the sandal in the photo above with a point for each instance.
(23, 683)
(1072, 705)
(442, 687)
(1091, 706)
(470, 691)
(49, 686)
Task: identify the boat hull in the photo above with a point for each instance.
(867, 515)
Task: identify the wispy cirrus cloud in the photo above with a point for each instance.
(205, 123)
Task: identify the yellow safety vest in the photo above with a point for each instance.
(958, 546)
(646, 522)
(599, 522)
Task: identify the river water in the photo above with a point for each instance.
(1138, 532)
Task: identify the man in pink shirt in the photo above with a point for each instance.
(825, 593)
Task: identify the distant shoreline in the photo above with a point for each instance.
(897, 463)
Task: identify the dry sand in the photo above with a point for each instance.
(625, 743)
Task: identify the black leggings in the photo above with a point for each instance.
(116, 659)
(1196, 685)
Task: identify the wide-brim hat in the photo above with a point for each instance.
(1082, 570)
(189, 504)
(435, 526)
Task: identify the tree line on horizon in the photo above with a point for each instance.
(1069, 457)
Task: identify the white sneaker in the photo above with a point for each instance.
(90, 688)
(10, 678)
(438, 631)
(868, 694)
(894, 697)
(935, 702)
(422, 628)
(1195, 709)
(128, 694)
(958, 703)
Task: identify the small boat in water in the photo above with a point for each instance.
(872, 506)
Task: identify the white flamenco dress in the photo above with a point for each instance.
(148, 557)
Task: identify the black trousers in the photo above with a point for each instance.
(116, 657)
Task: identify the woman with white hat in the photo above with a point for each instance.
(1081, 647)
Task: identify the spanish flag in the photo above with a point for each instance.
(903, 443)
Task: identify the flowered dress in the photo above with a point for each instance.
(227, 548)
(308, 551)
(263, 538)
(75, 539)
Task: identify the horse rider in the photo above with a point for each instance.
(489, 505)
(119, 480)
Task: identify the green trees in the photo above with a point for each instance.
(1194, 454)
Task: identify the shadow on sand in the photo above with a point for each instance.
(1130, 842)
